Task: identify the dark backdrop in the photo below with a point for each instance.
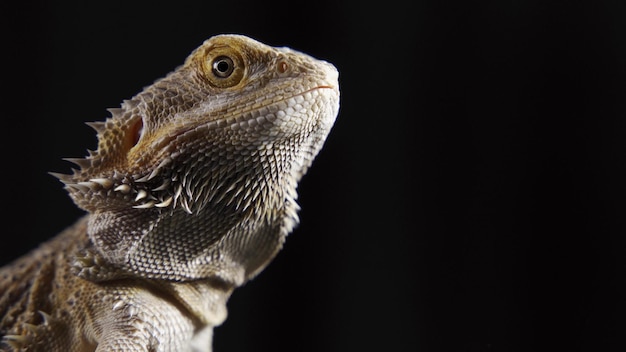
(471, 196)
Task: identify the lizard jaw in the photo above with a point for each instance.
(137, 192)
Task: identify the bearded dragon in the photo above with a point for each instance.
(190, 193)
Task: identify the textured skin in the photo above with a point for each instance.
(191, 192)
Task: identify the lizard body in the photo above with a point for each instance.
(190, 193)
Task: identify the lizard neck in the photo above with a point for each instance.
(229, 238)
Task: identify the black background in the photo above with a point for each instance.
(471, 196)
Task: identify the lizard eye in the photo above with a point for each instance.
(223, 66)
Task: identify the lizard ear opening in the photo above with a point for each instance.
(134, 133)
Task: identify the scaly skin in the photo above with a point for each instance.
(191, 192)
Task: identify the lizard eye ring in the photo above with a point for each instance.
(223, 66)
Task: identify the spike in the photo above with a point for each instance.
(188, 190)
(231, 200)
(143, 178)
(201, 191)
(246, 205)
(16, 341)
(230, 188)
(235, 195)
(147, 205)
(269, 215)
(131, 310)
(164, 203)
(124, 188)
(292, 214)
(210, 194)
(164, 162)
(164, 186)
(239, 190)
(178, 191)
(153, 174)
(117, 305)
(98, 126)
(46, 317)
(239, 203)
(80, 162)
(115, 112)
(16, 338)
(65, 178)
(130, 103)
(141, 195)
(104, 182)
(256, 194)
(92, 186)
(78, 187)
(183, 203)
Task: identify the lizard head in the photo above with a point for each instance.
(219, 142)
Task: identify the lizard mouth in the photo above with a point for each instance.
(240, 117)
(322, 87)
(170, 143)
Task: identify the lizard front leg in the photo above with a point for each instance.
(138, 320)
